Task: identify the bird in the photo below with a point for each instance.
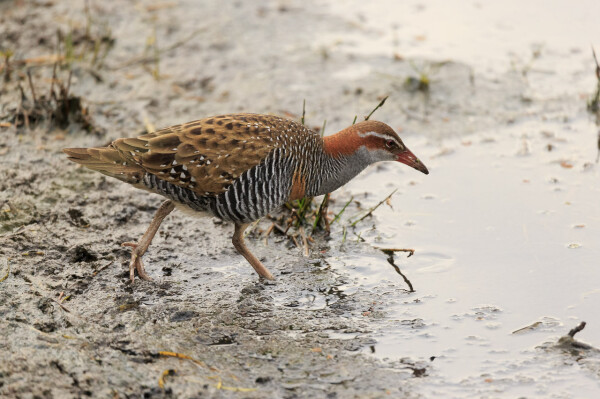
(239, 168)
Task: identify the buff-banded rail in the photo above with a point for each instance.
(240, 167)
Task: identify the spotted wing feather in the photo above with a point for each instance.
(207, 155)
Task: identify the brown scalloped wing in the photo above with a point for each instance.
(206, 156)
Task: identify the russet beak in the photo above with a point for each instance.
(408, 158)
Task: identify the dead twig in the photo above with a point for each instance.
(598, 154)
(31, 85)
(21, 110)
(576, 329)
(570, 344)
(220, 385)
(38, 61)
(371, 210)
(390, 260)
(597, 64)
(164, 374)
(376, 108)
(186, 357)
(594, 103)
(389, 251)
(7, 270)
(293, 237)
(102, 268)
(51, 94)
(322, 214)
(280, 229)
(268, 233)
(60, 301)
(304, 241)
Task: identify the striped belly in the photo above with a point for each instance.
(251, 196)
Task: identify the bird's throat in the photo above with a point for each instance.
(339, 170)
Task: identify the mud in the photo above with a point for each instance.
(338, 323)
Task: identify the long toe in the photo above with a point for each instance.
(132, 267)
(141, 271)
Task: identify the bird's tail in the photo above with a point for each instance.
(107, 160)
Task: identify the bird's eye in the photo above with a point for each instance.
(390, 144)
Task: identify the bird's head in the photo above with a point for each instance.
(380, 142)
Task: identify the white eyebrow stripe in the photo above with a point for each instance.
(381, 136)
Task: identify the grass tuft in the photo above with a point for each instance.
(59, 108)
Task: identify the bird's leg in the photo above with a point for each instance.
(142, 245)
(240, 246)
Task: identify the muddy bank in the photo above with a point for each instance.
(76, 327)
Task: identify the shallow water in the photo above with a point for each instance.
(502, 241)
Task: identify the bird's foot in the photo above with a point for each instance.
(136, 262)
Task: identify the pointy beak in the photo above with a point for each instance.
(408, 158)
